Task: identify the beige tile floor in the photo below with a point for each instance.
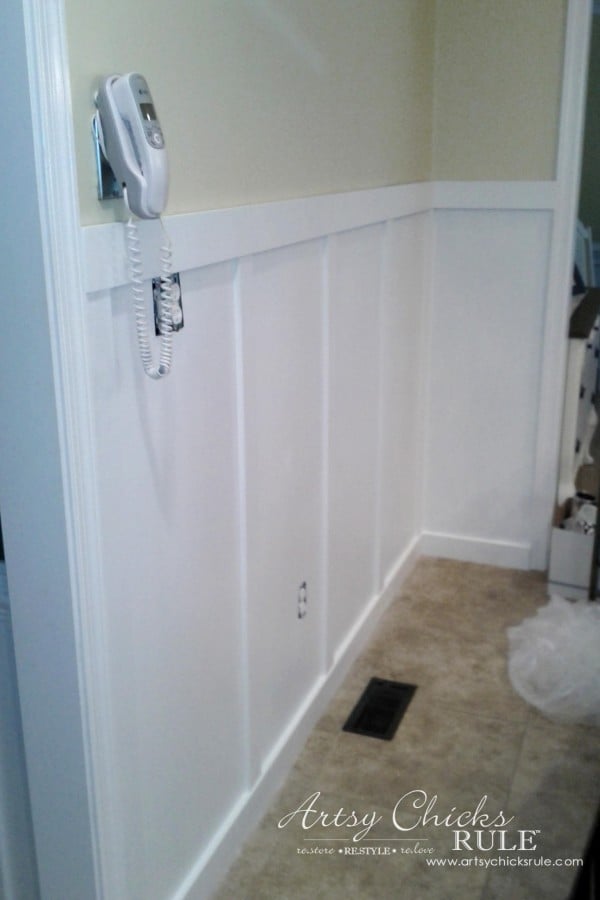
(466, 735)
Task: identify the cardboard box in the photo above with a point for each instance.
(570, 559)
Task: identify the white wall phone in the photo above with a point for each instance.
(132, 141)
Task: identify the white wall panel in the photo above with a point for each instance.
(334, 403)
(281, 301)
(487, 330)
(166, 464)
(319, 407)
(354, 260)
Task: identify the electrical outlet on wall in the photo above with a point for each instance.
(302, 600)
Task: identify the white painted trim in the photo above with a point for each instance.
(509, 195)
(210, 868)
(425, 369)
(65, 291)
(505, 554)
(325, 656)
(362, 628)
(382, 287)
(553, 369)
(248, 753)
(203, 238)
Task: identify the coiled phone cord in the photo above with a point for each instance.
(134, 257)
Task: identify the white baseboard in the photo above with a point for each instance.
(212, 866)
(362, 629)
(506, 554)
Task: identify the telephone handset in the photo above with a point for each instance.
(132, 141)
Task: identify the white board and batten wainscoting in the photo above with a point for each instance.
(357, 382)
(361, 378)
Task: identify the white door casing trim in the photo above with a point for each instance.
(554, 350)
(49, 83)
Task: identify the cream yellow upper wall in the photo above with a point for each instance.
(498, 76)
(264, 99)
(269, 99)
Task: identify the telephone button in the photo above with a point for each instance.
(154, 137)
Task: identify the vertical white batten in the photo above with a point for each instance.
(65, 283)
(250, 766)
(552, 376)
(425, 367)
(384, 255)
(326, 658)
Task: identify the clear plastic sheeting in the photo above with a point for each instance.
(554, 660)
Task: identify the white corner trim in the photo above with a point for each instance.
(49, 83)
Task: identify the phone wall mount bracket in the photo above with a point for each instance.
(108, 186)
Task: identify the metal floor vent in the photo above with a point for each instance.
(380, 709)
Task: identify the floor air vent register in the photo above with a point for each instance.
(380, 709)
